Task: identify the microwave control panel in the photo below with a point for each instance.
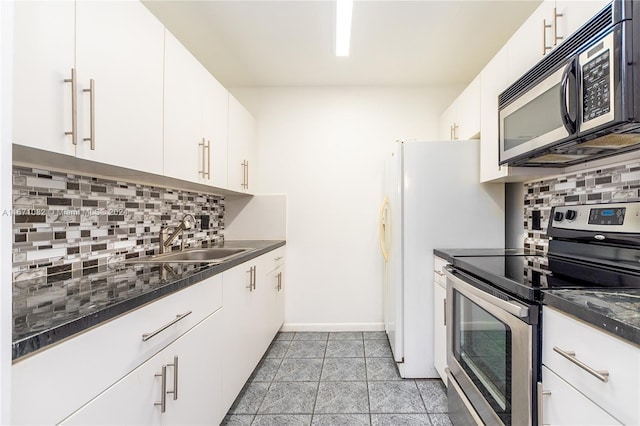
(596, 92)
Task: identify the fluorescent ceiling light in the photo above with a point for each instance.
(343, 26)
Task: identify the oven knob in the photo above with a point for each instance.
(558, 216)
(571, 214)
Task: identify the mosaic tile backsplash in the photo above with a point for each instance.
(613, 184)
(72, 225)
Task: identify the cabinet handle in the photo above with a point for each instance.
(455, 132)
(444, 302)
(147, 336)
(556, 37)
(603, 375)
(279, 281)
(163, 391)
(206, 172)
(451, 132)
(439, 273)
(74, 107)
(541, 393)
(252, 278)
(278, 258)
(545, 48)
(92, 114)
(175, 377)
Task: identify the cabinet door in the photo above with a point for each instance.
(241, 148)
(493, 80)
(240, 350)
(564, 405)
(183, 93)
(468, 111)
(44, 33)
(439, 329)
(120, 45)
(199, 378)
(274, 308)
(133, 400)
(215, 116)
(575, 13)
(526, 46)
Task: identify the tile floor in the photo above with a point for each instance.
(346, 378)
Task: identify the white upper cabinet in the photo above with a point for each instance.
(195, 119)
(241, 149)
(527, 46)
(461, 120)
(575, 13)
(44, 33)
(120, 47)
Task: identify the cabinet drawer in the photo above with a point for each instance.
(564, 405)
(274, 259)
(50, 385)
(600, 351)
(438, 269)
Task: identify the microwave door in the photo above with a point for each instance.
(543, 115)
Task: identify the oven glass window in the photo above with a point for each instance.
(534, 119)
(482, 346)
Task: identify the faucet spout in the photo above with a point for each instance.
(185, 223)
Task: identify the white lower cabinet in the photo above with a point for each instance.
(254, 312)
(602, 368)
(192, 385)
(562, 404)
(439, 318)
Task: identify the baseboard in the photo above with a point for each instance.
(355, 326)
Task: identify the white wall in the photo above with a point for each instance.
(6, 53)
(324, 148)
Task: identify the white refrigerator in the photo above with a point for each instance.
(434, 199)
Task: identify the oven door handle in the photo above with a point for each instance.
(512, 307)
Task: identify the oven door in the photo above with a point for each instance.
(543, 115)
(490, 354)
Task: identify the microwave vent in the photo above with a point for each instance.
(567, 48)
(613, 141)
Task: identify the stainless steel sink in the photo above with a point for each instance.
(206, 255)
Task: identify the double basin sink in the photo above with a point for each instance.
(203, 255)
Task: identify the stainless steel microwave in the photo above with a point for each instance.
(582, 101)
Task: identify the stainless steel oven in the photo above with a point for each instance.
(492, 353)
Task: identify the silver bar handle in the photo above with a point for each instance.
(439, 273)
(247, 173)
(92, 114)
(513, 308)
(206, 169)
(251, 285)
(209, 160)
(175, 377)
(465, 401)
(444, 302)
(278, 258)
(147, 336)
(451, 132)
(163, 391)
(74, 107)
(602, 375)
(455, 132)
(255, 268)
(556, 37)
(541, 393)
(544, 37)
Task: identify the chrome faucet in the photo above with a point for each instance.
(166, 239)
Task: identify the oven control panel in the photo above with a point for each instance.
(613, 217)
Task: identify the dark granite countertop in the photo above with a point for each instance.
(614, 310)
(47, 310)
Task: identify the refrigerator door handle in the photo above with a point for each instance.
(383, 228)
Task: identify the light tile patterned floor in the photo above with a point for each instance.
(335, 379)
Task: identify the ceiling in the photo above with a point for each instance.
(291, 43)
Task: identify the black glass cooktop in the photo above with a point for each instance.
(525, 275)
